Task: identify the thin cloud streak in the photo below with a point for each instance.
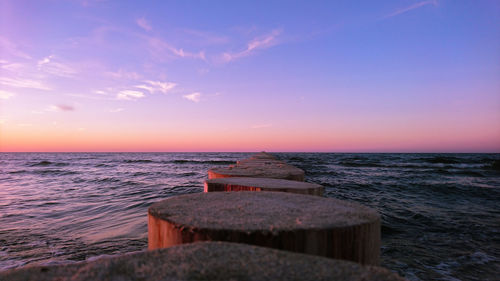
(159, 47)
(129, 95)
(23, 83)
(163, 87)
(59, 108)
(412, 7)
(157, 86)
(263, 42)
(49, 66)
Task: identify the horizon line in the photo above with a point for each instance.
(335, 152)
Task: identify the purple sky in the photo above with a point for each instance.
(356, 76)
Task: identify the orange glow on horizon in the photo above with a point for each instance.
(30, 140)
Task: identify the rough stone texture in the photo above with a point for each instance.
(263, 184)
(205, 261)
(262, 165)
(300, 223)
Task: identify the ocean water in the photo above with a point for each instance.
(440, 212)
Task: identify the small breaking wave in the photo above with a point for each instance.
(214, 162)
(139, 161)
(45, 163)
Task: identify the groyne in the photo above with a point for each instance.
(286, 234)
(281, 220)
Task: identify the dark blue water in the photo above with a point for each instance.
(441, 212)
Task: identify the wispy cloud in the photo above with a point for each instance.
(194, 97)
(10, 48)
(129, 95)
(262, 42)
(146, 87)
(52, 67)
(12, 67)
(157, 86)
(23, 83)
(159, 47)
(100, 92)
(4, 95)
(136, 92)
(412, 7)
(144, 24)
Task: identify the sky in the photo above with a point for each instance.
(310, 76)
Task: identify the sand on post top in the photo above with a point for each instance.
(299, 223)
(205, 261)
(261, 165)
(262, 184)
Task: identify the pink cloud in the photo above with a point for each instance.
(142, 22)
(64, 107)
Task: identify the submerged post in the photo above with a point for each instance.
(262, 184)
(262, 165)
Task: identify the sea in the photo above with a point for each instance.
(440, 212)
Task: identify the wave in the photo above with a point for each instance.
(494, 166)
(441, 160)
(103, 165)
(55, 172)
(215, 162)
(106, 180)
(19, 172)
(450, 169)
(358, 164)
(139, 161)
(45, 163)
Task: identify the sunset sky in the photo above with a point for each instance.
(326, 76)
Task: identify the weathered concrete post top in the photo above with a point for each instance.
(205, 261)
(261, 165)
(300, 223)
(263, 184)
